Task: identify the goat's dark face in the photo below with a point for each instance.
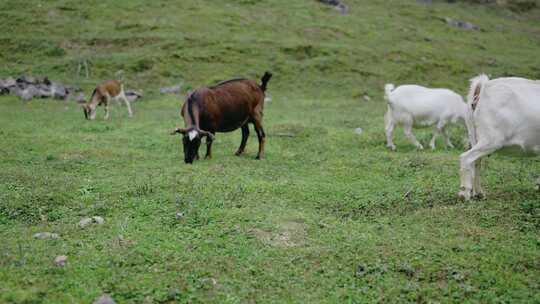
(191, 139)
(191, 146)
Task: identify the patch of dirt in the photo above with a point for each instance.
(288, 234)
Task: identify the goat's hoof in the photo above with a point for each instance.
(393, 148)
(479, 195)
(208, 157)
(238, 153)
(464, 195)
(258, 157)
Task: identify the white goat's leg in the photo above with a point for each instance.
(470, 172)
(408, 132)
(128, 104)
(389, 130)
(447, 141)
(436, 132)
(477, 187)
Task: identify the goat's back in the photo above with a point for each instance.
(419, 100)
(228, 105)
(508, 109)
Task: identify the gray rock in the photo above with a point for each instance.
(358, 131)
(461, 24)
(85, 222)
(46, 236)
(60, 261)
(98, 220)
(338, 4)
(58, 91)
(9, 82)
(171, 90)
(367, 98)
(27, 80)
(29, 92)
(104, 299)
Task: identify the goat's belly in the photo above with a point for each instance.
(424, 121)
(231, 126)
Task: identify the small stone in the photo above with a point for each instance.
(98, 220)
(171, 90)
(367, 98)
(358, 131)
(60, 260)
(179, 215)
(46, 236)
(85, 222)
(104, 299)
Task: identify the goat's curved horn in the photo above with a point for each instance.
(207, 134)
(179, 130)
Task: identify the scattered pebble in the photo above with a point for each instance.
(171, 90)
(46, 236)
(358, 131)
(98, 220)
(60, 260)
(104, 299)
(367, 98)
(461, 24)
(85, 222)
(179, 215)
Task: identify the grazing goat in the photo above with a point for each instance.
(413, 105)
(102, 95)
(504, 112)
(225, 107)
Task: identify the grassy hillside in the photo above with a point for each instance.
(329, 216)
(311, 48)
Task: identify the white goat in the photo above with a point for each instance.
(413, 105)
(504, 112)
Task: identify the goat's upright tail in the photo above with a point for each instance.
(388, 88)
(473, 98)
(265, 79)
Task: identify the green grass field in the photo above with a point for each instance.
(329, 216)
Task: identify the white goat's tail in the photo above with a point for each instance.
(473, 99)
(388, 88)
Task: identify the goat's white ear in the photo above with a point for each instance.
(192, 134)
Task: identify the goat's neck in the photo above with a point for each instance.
(192, 115)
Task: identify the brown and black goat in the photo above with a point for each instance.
(102, 95)
(225, 107)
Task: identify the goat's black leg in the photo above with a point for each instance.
(245, 135)
(209, 142)
(260, 135)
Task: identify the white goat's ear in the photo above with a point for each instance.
(192, 134)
